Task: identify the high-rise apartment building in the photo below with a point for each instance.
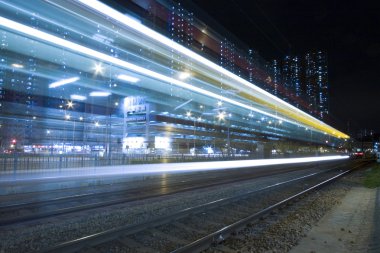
(296, 78)
(302, 81)
(316, 78)
(274, 68)
(181, 31)
(227, 55)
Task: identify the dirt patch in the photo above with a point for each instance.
(346, 228)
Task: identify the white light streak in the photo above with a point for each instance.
(16, 65)
(63, 82)
(130, 79)
(102, 8)
(131, 23)
(99, 94)
(106, 58)
(78, 97)
(141, 169)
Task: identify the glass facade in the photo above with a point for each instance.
(79, 77)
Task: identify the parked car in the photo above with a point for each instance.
(357, 155)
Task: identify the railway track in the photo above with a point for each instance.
(31, 211)
(197, 228)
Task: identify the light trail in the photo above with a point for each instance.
(293, 113)
(32, 32)
(138, 27)
(143, 169)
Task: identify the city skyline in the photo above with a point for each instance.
(345, 30)
(189, 27)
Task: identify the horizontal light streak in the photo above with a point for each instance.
(131, 23)
(63, 82)
(99, 94)
(130, 79)
(78, 97)
(16, 65)
(196, 166)
(141, 169)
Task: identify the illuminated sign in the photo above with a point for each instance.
(134, 104)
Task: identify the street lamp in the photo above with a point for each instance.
(222, 117)
(48, 133)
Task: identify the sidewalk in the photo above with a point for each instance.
(349, 228)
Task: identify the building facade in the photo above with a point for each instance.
(303, 82)
(317, 86)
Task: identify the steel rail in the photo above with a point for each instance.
(84, 207)
(220, 235)
(111, 234)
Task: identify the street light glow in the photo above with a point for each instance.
(70, 104)
(184, 75)
(221, 115)
(98, 68)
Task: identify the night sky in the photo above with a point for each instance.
(349, 31)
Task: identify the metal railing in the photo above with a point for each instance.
(21, 162)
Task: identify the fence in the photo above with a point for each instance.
(21, 162)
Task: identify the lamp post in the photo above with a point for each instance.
(73, 134)
(222, 117)
(189, 116)
(48, 133)
(194, 135)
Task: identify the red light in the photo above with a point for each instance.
(14, 141)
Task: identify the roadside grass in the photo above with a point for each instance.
(372, 177)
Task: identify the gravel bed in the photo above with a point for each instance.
(113, 247)
(282, 231)
(39, 235)
(171, 229)
(163, 238)
(153, 241)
